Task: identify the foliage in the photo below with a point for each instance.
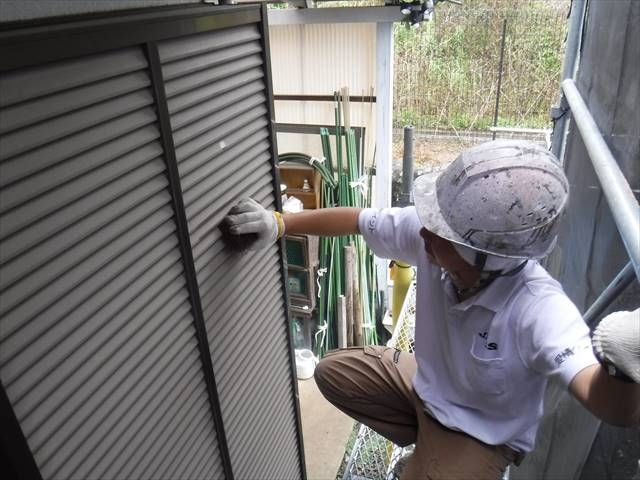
(447, 71)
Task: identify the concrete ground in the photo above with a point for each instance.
(325, 431)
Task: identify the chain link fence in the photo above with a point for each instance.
(479, 65)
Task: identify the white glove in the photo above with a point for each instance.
(616, 341)
(255, 227)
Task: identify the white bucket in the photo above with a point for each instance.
(305, 363)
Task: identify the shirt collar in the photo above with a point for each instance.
(493, 297)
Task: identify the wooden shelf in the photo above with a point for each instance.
(293, 176)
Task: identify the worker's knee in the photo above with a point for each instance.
(325, 371)
(332, 372)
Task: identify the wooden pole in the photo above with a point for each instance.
(357, 306)
(349, 268)
(342, 324)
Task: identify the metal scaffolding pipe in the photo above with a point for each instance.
(615, 288)
(622, 202)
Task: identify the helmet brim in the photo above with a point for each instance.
(425, 198)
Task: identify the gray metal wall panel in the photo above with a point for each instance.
(98, 354)
(219, 116)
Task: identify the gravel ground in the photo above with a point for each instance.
(433, 149)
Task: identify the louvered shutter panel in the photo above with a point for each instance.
(133, 342)
(98, 354)
(217, 99)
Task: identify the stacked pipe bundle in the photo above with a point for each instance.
(348, 291)
(348, 303)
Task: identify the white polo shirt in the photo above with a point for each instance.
(483, 364)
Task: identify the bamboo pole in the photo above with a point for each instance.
(356, 310)
(349, 281)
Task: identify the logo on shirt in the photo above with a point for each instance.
(372, 222)
(488, 345)
(562, 356)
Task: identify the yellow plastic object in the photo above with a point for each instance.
(402, 274)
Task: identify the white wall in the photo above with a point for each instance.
(320, 59)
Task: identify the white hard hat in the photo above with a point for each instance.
(503, 197)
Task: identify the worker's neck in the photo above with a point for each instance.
(466, 291)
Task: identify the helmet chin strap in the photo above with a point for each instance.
(487, 276)
(480, 260)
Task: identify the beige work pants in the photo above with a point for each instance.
(373, 385)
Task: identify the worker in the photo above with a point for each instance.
(492, 326)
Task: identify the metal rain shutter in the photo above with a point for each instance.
(217, 100)
(98, 354)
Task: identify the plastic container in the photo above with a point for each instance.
(305, 363)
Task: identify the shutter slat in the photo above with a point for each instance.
(201, 44)
(64, 390)
(42, 227)
(33, 161)
(85, 435)
(220, 294)
(25, 84)
(40, 182)
(46, 352)
(192, 434)
(206, 162)
(216, 110)
(106, 292)
(15, 298)
(144, 436)
(211, 256)
(31, 137)
(198, 182)
(151, 391)
(199, 85)
(199, 150)
(35, 111)
(257, 347)
(79, 189)
(231, 57)
(269, 457)
(196, 437)
(38, 376)
(189, 401)
(131, 205)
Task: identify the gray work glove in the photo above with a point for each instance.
(252, 225)
(616, 341)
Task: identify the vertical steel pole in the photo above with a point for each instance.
(495, 112)
(559, 112)
(407, 165)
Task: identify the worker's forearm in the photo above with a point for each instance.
(323, 221)
(610, 399)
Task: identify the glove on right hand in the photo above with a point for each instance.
(616, 341)
(249, 218)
